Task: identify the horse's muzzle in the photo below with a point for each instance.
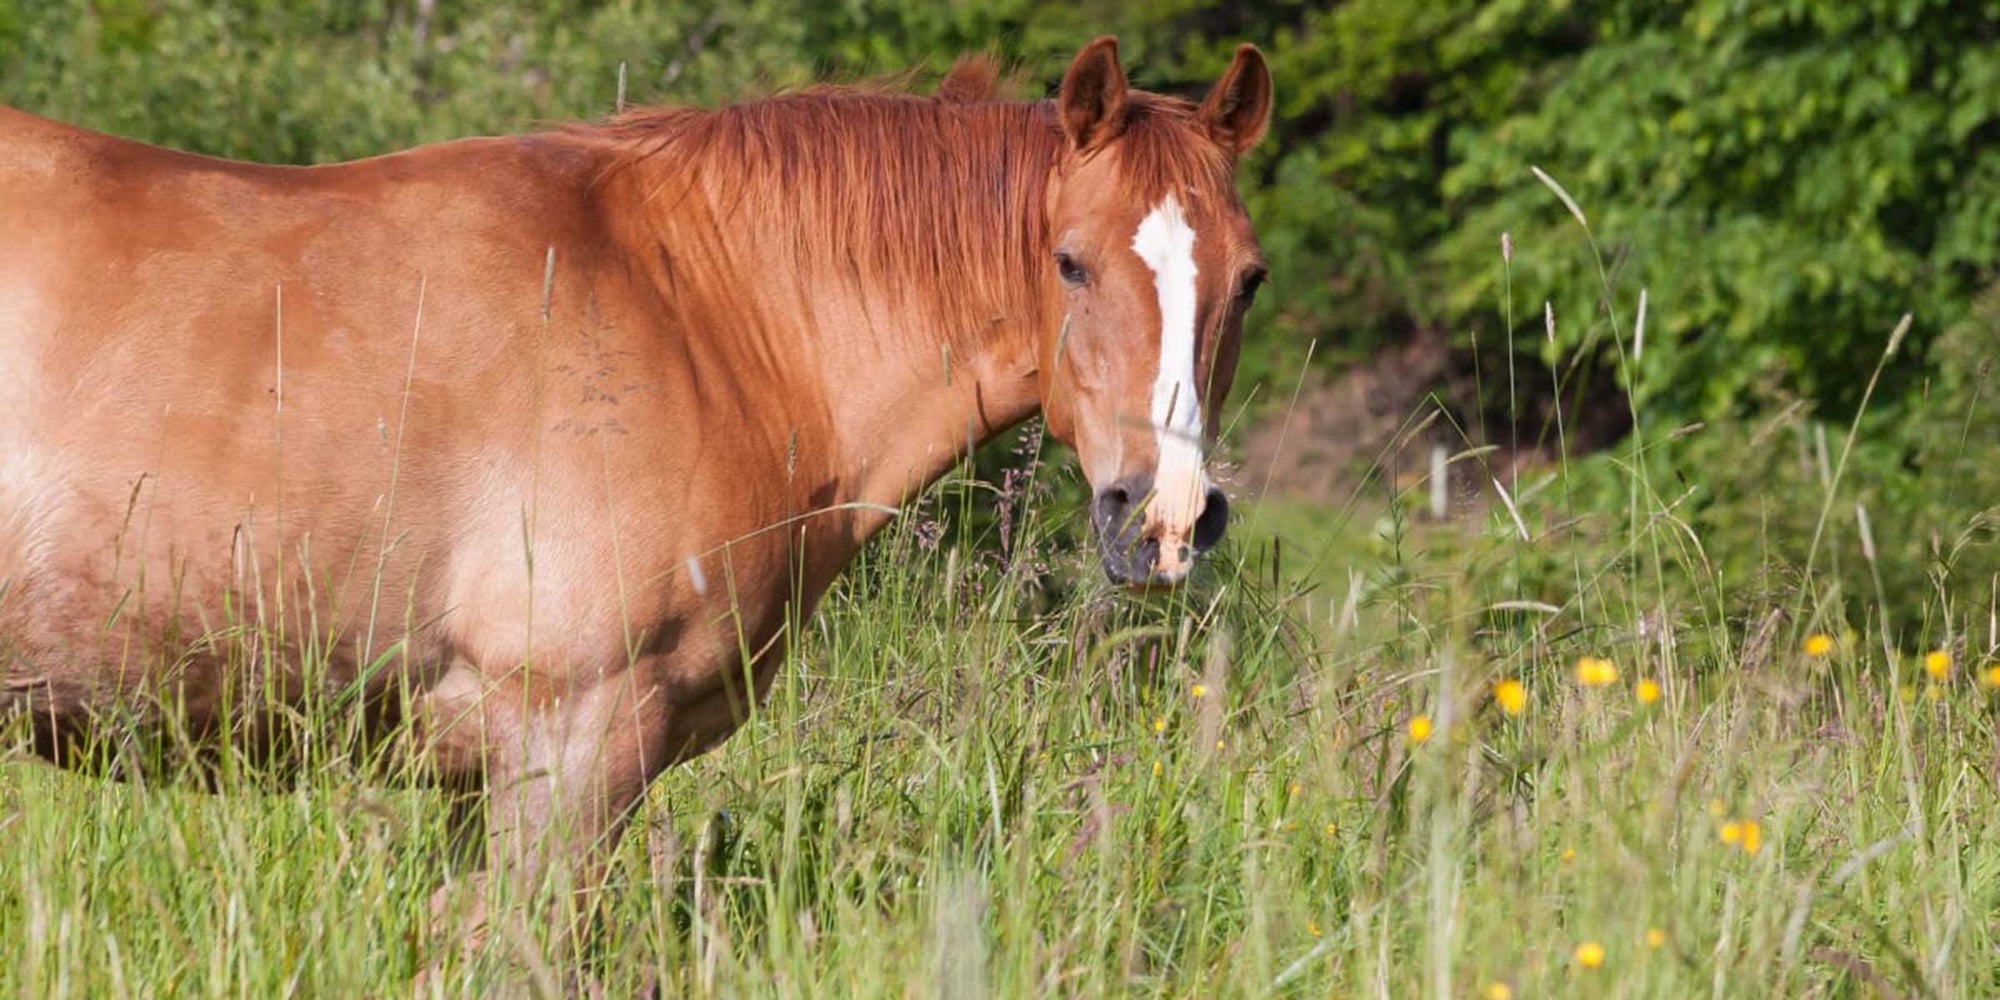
(1132, 547)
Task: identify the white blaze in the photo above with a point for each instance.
(1165, 242)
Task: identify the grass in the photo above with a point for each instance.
(964, 784)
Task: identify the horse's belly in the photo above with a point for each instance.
(132, 600)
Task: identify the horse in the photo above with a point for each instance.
(534, 444)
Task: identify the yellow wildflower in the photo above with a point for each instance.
(1990, 677)
(1157, 768)
(1159, 724)
(1818, 644)
(1199, 690)
(1332, 829)
(1596, 672)
(1937, 663)
(1747, 834)
(1511, 695)
(1312, 927)
(1420, 728)
(1568, 854)
(1296, 789)
(1590, 954)
(1655, 937)
(1647, 691)
(1497, 991)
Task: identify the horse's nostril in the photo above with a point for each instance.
(1113, 507)
(1213, 522)
(1110, 506)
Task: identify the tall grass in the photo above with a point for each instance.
(985, 772)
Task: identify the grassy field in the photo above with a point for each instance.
(1364, 770)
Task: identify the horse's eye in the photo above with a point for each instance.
(1246, 289)
(1073, 274)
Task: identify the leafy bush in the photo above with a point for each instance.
(1785, 179)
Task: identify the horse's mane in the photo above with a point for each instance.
(871, 178)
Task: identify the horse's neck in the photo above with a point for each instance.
(960, 366)
(903, 412)
(903, 429)
(912, 370)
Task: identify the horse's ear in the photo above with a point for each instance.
(1092, 102)
(1238, 109)
(973, 78)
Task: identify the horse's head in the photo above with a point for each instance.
(1157, 263)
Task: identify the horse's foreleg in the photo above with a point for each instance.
(561, 780)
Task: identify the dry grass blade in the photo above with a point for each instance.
(1568, 202)
(1514, 512)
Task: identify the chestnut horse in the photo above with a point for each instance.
(538, 442)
